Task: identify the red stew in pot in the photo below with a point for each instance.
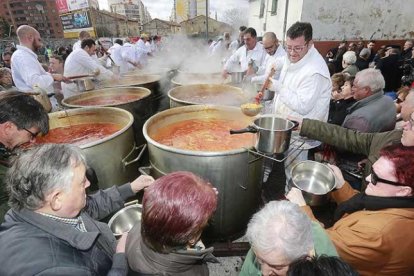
(78, 134)
(204, 135)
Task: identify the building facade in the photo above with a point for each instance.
(133, 9)
(197, 27)
(160, 27)
(383, 20)
(187, 9)
(40, 14)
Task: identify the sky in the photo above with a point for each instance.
(162, 8)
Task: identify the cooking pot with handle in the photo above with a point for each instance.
(273, 133)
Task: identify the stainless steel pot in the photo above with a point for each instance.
(237, 77)
(215, 94)
(236, 173)
(114, 158)
(315, 180)
(84, 84)
(140, 108)
(273, 133)
(123, 220)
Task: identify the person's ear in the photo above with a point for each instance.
(404, 191)
(9, 128)
(55, 199)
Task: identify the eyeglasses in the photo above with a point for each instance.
(275, 267)
(33, 135)
(270, 47)
(296, 49)
(375, 179)
(398, 100)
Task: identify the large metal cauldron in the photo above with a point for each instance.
(110, 157)
(140, 108)
(235, 173)
(215, 94)
(151, 81)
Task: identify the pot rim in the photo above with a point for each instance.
(311, 161)
(273, 116)
(172, 90)
(98, 91)
(81, 110)
(156, 78)
(120, 212)
(191, 152)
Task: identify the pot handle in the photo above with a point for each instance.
(144, 170)
(250, 129)
(295, 124)
(127, 163)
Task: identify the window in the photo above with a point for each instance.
(262, 8)
(274, 7)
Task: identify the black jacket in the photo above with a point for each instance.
(389, 67)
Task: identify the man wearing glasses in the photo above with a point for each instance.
(274, 51)
(16, 129)
(304, 86)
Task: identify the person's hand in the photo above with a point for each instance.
(120, 247)
(295, 196)
(96, 72)
(141, 182)
(59, 77)
(224, 74)
(336, 95)
(339, 178)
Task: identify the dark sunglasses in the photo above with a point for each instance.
(375, 178)
(398, 100)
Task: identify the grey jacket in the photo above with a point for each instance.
(32, 244)
(368, 144)
(144, 261)
(376, 113)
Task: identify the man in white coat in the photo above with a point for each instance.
(27, 71)
(252, 53)
(304, 86)
(80, 62)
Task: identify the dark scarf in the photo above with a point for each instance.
(362, 201)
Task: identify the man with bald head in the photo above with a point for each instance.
(274, 51)
(27, 71)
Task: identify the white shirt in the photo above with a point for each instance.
(79, 62)
(77, 45)
(239, 61)
(129, 55)
(27, 71)
(304, 88)
(234, 45)
(116, 55)
(267, 66)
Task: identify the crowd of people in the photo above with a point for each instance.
(51, 225)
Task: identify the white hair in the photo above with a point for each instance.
(349, 57)
(283, 227)
(371, 78)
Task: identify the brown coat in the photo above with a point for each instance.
(374, 242)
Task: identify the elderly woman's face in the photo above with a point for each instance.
(384, 169)
(272, 263)
(74, 199)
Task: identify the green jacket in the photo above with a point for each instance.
(323, 246)
(368, 144)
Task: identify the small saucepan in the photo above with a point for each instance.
(273, 133)
(84, 84)
(314, 179)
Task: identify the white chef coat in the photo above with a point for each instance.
(240, 59)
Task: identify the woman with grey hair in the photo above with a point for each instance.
(279, 234)
(52, 227)
(348, 63)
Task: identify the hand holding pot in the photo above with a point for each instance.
(295, 196)
(141, 182)
(339, 178)
(120, 247)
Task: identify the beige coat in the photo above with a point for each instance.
(374, 242)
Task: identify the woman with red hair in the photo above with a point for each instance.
(175, 210)
(374, 230)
